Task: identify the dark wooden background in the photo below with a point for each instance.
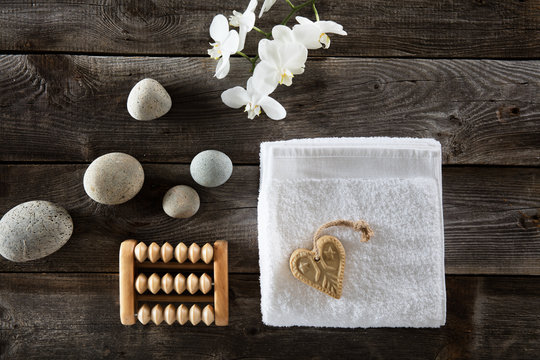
(465, 72)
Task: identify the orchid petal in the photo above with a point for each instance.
(273, 109)
(265, 77)
(268, 51)
(252, 5)
(219, 27)
(302, 20)
(223, 66)
(235, 97)
(283, 33)
(230, 43)
(267, 4)
(331, 27)
(308, 35)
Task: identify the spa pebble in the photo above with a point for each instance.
(211, 168)
(33, 230)
(113, 178)
(148, 100)
(181, 202)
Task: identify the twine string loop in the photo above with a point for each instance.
(359, 225)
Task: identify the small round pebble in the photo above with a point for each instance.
(148, 100)
(33, 230)
(113, 178)
(211, 168)
(181, 202)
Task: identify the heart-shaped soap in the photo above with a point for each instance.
(324, 274)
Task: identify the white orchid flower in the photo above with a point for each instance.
(267, 4)
(254, 100)
(244, 21)
(280, 61)
(314, 34)
(226, 43)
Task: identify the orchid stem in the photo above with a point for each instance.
(268, 35)
(315, 12)
(290, 4)
(296, 8)
(243, 55)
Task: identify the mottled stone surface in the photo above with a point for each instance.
(113, 178)
(211, 168)
(33, 230)
(148, 100)
(181, 202)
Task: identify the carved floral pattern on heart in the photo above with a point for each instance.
(325, 274)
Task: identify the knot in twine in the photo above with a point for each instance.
(359, 225)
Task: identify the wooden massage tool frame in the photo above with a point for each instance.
(153, 275)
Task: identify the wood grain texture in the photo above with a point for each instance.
(421, 28)
(73, 108)
(491, 217)
(487, 318)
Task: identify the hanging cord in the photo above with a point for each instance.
(359, 225)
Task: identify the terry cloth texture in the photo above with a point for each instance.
(394, 280)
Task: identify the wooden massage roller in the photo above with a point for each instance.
(152, 275)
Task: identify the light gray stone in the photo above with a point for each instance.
(113, 178)
(148, 100)
(33, 230)
(211, 168)
(181, 202)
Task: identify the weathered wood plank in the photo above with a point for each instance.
(417, 28)
(73, 108)
(76, 316)
(491, 217)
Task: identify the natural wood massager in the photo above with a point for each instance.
(153, 275)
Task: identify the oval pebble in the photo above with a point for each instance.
(113, 178)
(148, 100)
(181, 202)
(211, 168)
(33, 230)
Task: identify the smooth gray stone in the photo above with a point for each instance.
(113, 178)
(181, 202)
(148, 100)
(33, 230)
(211, 168)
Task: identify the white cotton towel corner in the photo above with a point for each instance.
(394, 280)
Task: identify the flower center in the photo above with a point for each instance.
(252, 110)
(324, 40)
(215, 51)
(286, 77)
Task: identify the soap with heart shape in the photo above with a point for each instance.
(324, 274)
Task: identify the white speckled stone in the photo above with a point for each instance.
(33, 230)
(211, 168)
(148, 100)
(113, 178)
(181, 202)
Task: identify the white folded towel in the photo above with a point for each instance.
(394, 280)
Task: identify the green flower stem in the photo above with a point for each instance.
(268, 35)
(315, 12)
(295, 9)
(290, 4)
(243, 55)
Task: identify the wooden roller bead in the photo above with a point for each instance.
(166, 252)
(144, 314)
(207, 253)
(192, 284)
(205, 283)
(154, 283)
(181, 252)
(195, 314)
(157, 314)
(167, 283)
(141, 252)
(179, 283)
(141, 283)
(153, 252)
(169, 314)
(194, 253)
(182, 314)
(208, 315)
